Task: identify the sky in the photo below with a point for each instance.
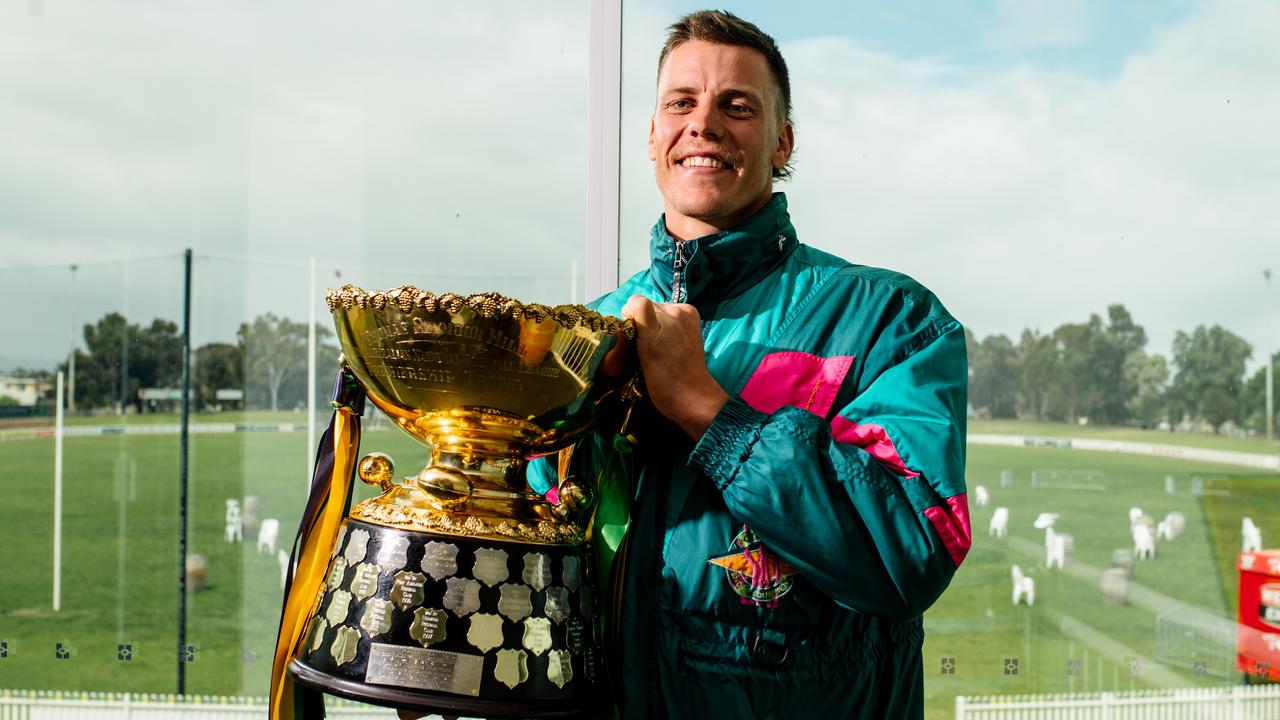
(1031, 162)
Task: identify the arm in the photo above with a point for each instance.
(869, 507)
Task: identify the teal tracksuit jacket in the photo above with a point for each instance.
(779, 566)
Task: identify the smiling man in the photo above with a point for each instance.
(798, 488)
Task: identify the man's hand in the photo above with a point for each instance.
(669, 343)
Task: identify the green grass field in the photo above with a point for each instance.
(120, 563)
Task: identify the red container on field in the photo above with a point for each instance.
(1258, 629)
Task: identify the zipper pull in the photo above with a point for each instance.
(677, 279)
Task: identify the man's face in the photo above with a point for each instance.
(716, 137)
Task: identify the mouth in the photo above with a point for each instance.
(714, 162)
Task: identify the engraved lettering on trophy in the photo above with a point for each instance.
(345, 642)
(490, 566)
(339, 605)
(485, 632)
(428, 626)
(440, 559)
(514, 601)
(318, 628)
(572, 573)
(576, 634)
(426, 669)
(336, 572)
(537, 570)
(590, 664)
(394, 553)
(406, 590)
(462, 596)
(556, 605)
(512, 667)
(377, 617)
(560, 667)
(537, 635)
(357, 546)
(364, 582)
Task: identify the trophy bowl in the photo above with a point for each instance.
(462, 589)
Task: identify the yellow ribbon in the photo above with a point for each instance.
(313, 559)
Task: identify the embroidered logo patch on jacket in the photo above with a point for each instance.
(758, 576)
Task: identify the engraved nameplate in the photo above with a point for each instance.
(425, 669)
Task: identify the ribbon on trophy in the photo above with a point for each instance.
(328, 504)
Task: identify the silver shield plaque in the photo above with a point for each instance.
(512, 667)
(337, 544)
(560, 667)
(406, 590)
(425, 669)
(485, 632)
(394, 553)
(364, 582)
(357, 546)
(490, 566)
(537, 635)
(339, 606)
(556, 606)
(537, 570)
(345, 642)
(514, 601)
(575, 633)
(428, 625)
(336, 573)
(461, 596)
(572, 573)
(377, 617)
(318, 627)
(440, 559)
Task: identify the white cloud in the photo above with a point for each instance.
(1029, 199)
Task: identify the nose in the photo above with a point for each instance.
(706, 121)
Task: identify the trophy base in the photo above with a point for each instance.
(454, 625)
(439, 704)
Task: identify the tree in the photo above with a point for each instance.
(1149, 376)
(1210, 375)
(121, 358)
(217, 366)
(1039, 374)
(1253, 400)
(993, 367)
(275, 359)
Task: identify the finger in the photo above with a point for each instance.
(641, 310)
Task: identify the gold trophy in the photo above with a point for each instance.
(461, 590)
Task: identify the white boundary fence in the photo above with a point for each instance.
(29, 705)
(1261, 702)
(1176, 452)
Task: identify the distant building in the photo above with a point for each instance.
(25, 390)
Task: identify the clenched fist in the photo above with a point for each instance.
(669, 343)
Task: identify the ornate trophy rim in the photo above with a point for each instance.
(488, 305)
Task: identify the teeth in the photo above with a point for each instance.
(700, 161)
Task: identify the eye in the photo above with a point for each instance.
(681, 104)
(739, 108)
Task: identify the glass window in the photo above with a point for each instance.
(292, 148)
(1087, 187)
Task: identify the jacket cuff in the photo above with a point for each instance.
(727, 442)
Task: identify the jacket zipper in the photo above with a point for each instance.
(678, 293)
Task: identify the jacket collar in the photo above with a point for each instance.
(724, 264)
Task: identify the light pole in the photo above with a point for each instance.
(1266, 355)
(71, 361)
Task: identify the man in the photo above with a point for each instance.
(799, 493)
(798, 484)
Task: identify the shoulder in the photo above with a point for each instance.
(874, 289)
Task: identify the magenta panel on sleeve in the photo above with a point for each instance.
(952, 524)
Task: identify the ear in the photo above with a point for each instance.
(786, 143)
(653, 153)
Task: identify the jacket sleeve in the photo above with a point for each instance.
(869, 506)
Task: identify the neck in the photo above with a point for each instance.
(683, 227)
